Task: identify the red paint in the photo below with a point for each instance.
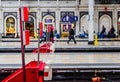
(32, 73)
(25, 11)
(27, 37)
(44, 48)
(40, 79)
(50, 28)
(41, 29)
(45, 74)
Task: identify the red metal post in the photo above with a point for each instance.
(41, 29)
(27, 38)
(25, 11)
(22, 47)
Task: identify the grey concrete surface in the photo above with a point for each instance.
(62, 58)
(9, 42)
(14, 59)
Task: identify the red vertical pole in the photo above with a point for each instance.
(27, 38)
(25, 11)
(22, 47)
(38, 46)
(39, 36)
(41, 29)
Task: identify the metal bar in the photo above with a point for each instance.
(22, 47)
(38, 46)
(38, 35)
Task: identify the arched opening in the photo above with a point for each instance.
(10, 26)
(48, 20)
(84, 23)
(30, 26)
(106, 21)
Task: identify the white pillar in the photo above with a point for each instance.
(18, 24)
(77, 23)
(57, 27)
(1, 18)
(57, 18)
(38, 14)
(18, 17)
(96, 20)
(77, 14)
(115, 20)
(91, 22)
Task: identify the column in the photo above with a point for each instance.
(77, 14)
(57, 18)
(57, 27)
(38, 15)
(77, 23)
(38, 20)
(91, 22)
(18, 17)
(18, 24)
(96, 20)
(115, 20)
(1, 19)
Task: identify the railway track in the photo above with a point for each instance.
(77, 73)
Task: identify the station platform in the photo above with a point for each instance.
(104, 45)
(105, 55)
(64, 60)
